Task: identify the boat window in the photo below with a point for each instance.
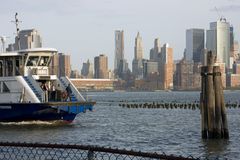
(44, 61)
(9, 67)
(32, 61)
(1, 68)
(5, 88)
(17, 68)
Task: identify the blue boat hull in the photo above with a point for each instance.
(17, 112)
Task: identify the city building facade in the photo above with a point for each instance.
(101, 67)
(150, 68)
(137, 64)
(187, 77)
(119, 53)
(166, 67)
(87, 70)
(27, 39)
(64, 65)
(218, 40)
(155, 51)
(194, 44)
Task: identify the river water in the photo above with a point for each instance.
(175, 131)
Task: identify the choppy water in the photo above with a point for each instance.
(174, 131)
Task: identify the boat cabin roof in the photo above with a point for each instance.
(25, 51)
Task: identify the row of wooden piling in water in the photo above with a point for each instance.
(156, 105)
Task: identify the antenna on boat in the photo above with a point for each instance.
(3, 40)
(16, 22)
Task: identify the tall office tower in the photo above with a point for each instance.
(123, 67)
(87, 69)
(75, 74)
(64, 65)
(150, 68)
(138, 49)
(55, 65)
(236, 54)
(154, 52)
(218, 40)
(137, 64)
(28, 39)
(185, 76)
(166, 66)
(119, 51)
(194, 44)
(101, 67)
(231, 38)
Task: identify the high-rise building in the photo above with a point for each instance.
(87, 69)
(55, 65)
(149, 68)
(166, 67)
(28, 39)
(154, 52)
(194, 44)
(137, 64)
(119, 51)
(235, 53)
(64, 65)
(75, 74)
(138, 49)
(101, 67)
(60, 65)
(185, 76)
(231, 38)
(218, 40)
(236, 68)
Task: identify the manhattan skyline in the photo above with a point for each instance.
(85, 29)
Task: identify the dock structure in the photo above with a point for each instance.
(213, 113)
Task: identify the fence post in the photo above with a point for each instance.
(90, 155)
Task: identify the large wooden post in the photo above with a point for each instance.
(203, 108)
(210, 101)
(217, 87)
(213, 113)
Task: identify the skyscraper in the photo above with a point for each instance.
(138, 49)
(28, 39)
(231, 39)
(137, 64)
(87, 70)
(101, 67)
(154, 52)
(194, 44)
(166, 66)
(55, 65)
(64, 65)
(60, 65)
(119, 51)
(218, 40)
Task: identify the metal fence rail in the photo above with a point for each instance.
(31, 151)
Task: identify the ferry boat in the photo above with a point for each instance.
(30, 92)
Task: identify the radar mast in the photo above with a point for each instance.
(16, 22)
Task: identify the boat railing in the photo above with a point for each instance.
(10, 97)
(36, 89)
(67, 82)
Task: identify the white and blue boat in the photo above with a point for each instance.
(29, 91)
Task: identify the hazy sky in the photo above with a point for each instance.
(85, 28)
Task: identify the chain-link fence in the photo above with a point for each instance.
(32, 151)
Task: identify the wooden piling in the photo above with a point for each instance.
(225, 131)
(213, 112)
(210, 101)
(217, 84)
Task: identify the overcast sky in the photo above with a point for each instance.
(85, 28)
